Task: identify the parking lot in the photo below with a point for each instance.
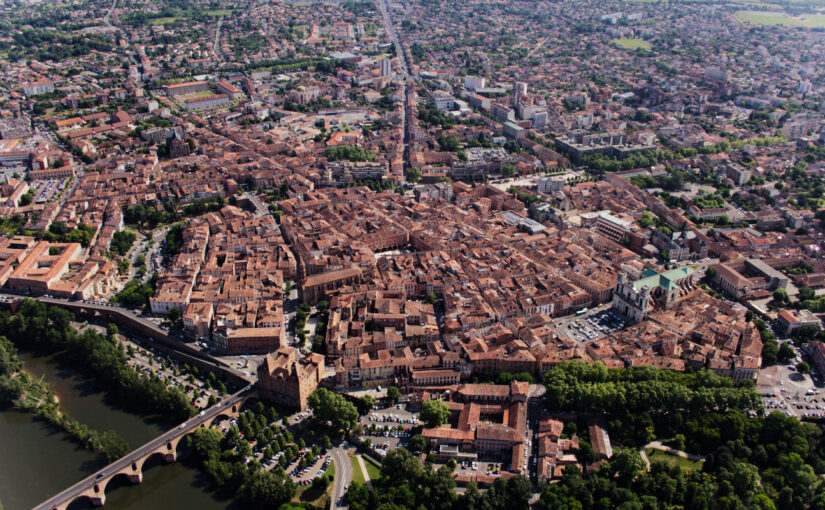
(46, 190)
(592, 326)
(784, 389)
(388, 428)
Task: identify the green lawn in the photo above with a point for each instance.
(656, 455)
(373, 469)
(780, 18)
(357, 474)
(219, 12)
(163, 21)
(631, 44)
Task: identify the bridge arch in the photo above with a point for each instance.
(121, 475)
(76, 502)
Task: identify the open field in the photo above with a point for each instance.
(780, 18)
(183, 15)
(631, 44)
(373, 469)
(357, 474)
(199, 95)
(656, 455)
(164, 21)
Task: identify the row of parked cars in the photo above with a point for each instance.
(394, 418)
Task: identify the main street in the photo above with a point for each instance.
(384, 7)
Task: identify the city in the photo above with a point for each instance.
(412, 254)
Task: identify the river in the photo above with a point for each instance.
(37, 460)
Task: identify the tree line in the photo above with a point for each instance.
(26, 393)
(42, 328)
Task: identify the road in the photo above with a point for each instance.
(343, 476)
(177, 346)
(217, 48)
(153, 445)
(260, 208)
(384, 7)
(108, 23)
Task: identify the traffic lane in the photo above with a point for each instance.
(343, 476)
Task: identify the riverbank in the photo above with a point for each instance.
(41, 461)
(26, 393)
(41, 328)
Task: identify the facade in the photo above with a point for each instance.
(203, 103)
(247, 340)
(789, 322)
(288, 381)
(35, 88)
(634, 300)
(189, 87)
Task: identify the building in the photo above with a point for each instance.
(202, 103)
(44, 267)
(247, 340)
(35, 88)
(634, 300)
(230, 90)
(385, 67)
(474, 83)
(817, 352)
(789, 322)
(550, 185)
(288, 381)
(189, 87)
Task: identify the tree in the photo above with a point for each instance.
(435, 413)
(265, 490)
(365, 403)
(780, 296)
(806, 293)
(393, 394)
(417, 444)
(333, 410)
(710, 273)
(785, 353)
(803, 368)
(413, 174)
(174, 315)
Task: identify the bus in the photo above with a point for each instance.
(582, 311)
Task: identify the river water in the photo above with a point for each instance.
(37, 461)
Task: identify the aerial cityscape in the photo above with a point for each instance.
(412, 254)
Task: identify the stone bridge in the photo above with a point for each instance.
(131, 465)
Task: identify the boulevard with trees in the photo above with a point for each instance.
(749, 461)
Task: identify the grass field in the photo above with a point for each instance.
(164, 21)
(219, 12)
(199, 95)
(656, 455)
(631, 44)
(373, 469)
(357, 474)
(780, 18)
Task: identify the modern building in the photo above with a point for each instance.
(35, 88)
(385, 67)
